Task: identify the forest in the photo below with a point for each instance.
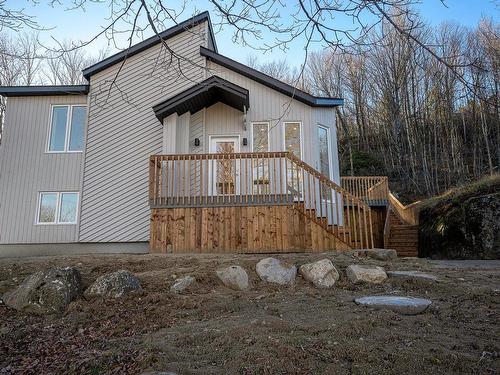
(423, 111)
(420, 106)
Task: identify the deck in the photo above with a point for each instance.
(260, 202)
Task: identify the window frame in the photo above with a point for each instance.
(300, 135)
(58, 208)
(68, 129)
(268, 135)
(329, 149)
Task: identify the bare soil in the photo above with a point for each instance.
(267, 330)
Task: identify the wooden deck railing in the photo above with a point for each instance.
(373, 190)
(270, 178)
(409, 214)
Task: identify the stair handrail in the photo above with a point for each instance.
(326, 180)
(408, 213)
(347, 196)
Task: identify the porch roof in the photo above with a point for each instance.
(204, 94)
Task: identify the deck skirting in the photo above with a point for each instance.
(238, 229)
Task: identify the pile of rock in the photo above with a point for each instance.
(51, 291)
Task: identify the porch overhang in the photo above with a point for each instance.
(204, 94)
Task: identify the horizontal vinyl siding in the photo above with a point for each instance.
(123, 132)
(25, 170)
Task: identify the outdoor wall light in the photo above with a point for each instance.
(197, 142)
(245, 141)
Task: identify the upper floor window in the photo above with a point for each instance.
(67, 128)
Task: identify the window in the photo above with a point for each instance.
(260, 137)
(292, 138)
(67, 128)
(260, 167)
(57, 208)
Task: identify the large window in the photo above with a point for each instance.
(292, 138)
(260, 137)
(67, 128)
(260, 166)
(57, 208)
(293, 144)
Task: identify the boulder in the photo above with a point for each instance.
(378, 254)
(412, 275)
(182, 283)
(322, 273)
(275, 271)
(114, 285)
(403, 305)
(366, 274)
(234, 277)
(46, 292)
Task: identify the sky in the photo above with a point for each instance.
(83, 24)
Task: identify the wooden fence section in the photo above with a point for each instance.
(260, 179)
(373, 190)
(242, 229)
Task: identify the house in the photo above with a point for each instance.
(172, 146)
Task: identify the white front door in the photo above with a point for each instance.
(224, 174)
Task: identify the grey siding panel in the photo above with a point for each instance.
(196, 131)
(271, 106)
(123, 132)
(26, 170)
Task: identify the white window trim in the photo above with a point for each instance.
(68, 129)
(268, 136)
(283, 128)
(58, 207)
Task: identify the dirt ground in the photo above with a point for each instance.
(267, 330)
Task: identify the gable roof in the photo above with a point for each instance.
(44, 90)
(156, 39)
(284, 88)
(204, 94)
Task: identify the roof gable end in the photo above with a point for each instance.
(150, 42)
(269, 81)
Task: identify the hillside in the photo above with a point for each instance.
(463, 223)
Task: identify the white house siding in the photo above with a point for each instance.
(123, 132)
(25, 170)
(269, 105)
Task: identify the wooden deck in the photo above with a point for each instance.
(217, 202)
(271, 202)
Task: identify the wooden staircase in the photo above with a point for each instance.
(402, 237)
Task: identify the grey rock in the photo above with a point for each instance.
(403, 305)
(182, 283)
(158, 373)
(357, 273)
(114, 285)
(412, 275)
(234, 277)
(321, 273)
(275, 271)
(378, 254)
(46, 292)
